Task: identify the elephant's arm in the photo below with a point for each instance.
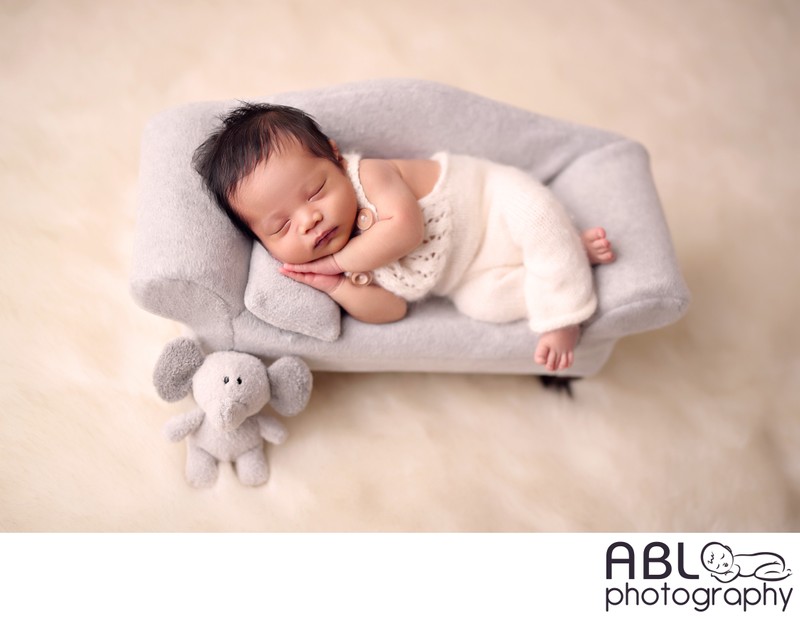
(272, 430)
(179, 427)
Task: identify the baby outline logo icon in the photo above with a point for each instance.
(726, 566)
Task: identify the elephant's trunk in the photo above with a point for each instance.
(227, 415)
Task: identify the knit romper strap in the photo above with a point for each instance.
(415, 275)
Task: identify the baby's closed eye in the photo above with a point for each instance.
(281, 228)
(318, 191)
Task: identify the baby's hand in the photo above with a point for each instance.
(325, 283)
(323, 266)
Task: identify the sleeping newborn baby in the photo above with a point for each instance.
(376, 234)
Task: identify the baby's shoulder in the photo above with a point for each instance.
(374, 171)
(416, 177)
(379, 176)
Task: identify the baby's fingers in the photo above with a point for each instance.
(325, 283)
(297, 268)
(323, 266)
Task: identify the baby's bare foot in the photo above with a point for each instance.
(597, 246)
(555, 348)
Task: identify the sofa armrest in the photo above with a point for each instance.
(189, 262)
(644, 289)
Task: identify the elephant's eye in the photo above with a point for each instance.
(239, 381)
(225, 380)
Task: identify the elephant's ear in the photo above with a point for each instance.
(175, 368)
(290, 382)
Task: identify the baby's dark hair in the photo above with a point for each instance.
(248, 135)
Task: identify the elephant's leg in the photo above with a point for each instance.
(201, 467)
(252, 467)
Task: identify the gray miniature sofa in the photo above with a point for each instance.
(191, 265)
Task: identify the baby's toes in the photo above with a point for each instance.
(542, 352)
(601, 245)
(603, 252)
(594, 234)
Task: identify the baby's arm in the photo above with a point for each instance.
(398, 231)
(400, 226)
(369, 303)
(365, 303)
(728, 576)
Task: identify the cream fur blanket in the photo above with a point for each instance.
(691, 428)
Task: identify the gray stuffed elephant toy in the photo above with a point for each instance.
(230, 389)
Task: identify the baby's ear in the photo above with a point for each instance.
(335, 148)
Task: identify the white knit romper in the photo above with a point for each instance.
(497, 243)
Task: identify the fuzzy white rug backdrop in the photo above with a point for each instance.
(692, 428)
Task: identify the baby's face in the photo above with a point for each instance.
(717, 558)
(301, 207)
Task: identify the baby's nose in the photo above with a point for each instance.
(311, 219)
